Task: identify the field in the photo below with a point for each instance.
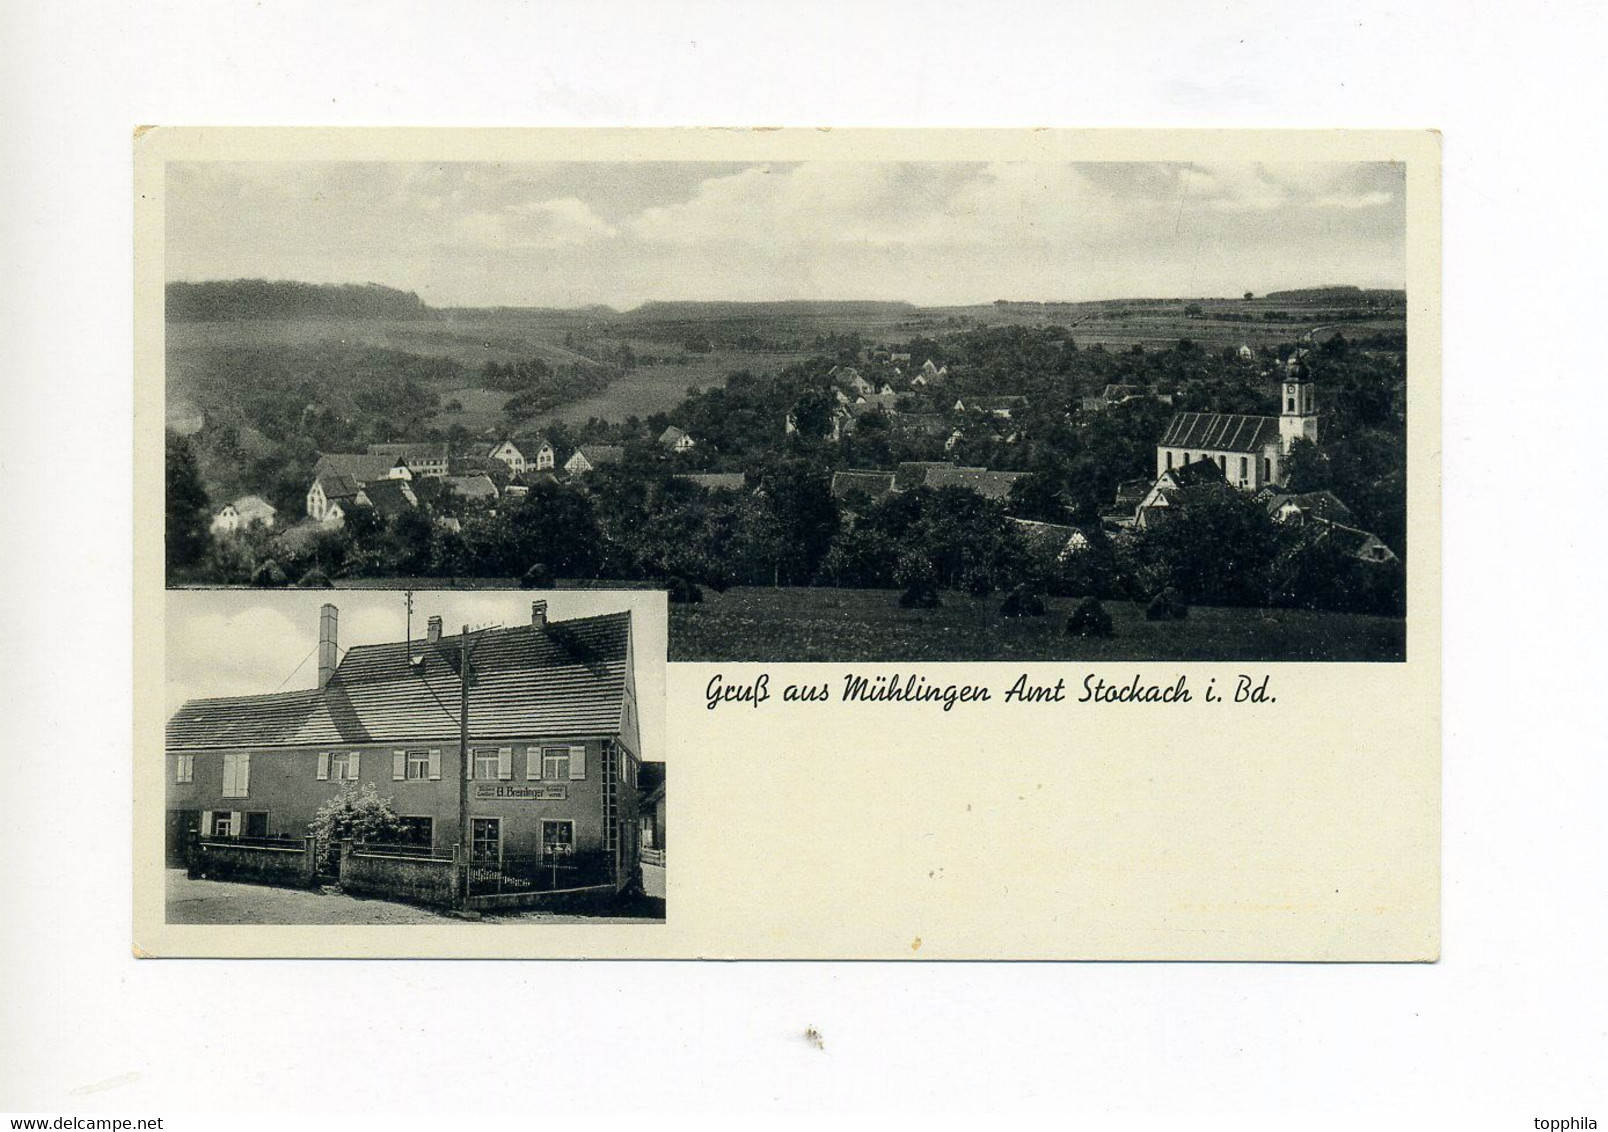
(868, 625)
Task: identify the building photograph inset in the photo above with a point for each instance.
(405, 757)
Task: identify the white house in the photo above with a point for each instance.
(422, 459)
(247, 511)
(676, 440)
(589, 457)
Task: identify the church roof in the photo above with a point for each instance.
(1220, 432)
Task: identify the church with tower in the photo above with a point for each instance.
(1250, 451)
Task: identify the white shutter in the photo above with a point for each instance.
(435, 764)
(206, 823)
(243, 775)
(228, 776)
(353, 765)
(578, 761)
(237, 823)
(323, 766)
(533, 763)
(399, 765)
(505, 763)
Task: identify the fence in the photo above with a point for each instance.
(539, 872)
(417, 874)
(265, 860)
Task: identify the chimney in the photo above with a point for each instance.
(328, 620)
(435, 630)
(538, 614)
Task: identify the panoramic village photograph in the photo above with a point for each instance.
(402, 757)
(834, 411)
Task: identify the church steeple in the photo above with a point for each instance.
(1298, 403)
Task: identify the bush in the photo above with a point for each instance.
(684, 591)
(538, 577)
(1022, 602)
(1089, 619)
(361, 815)
(1167, 606)
(315, 579)
(920, 581)
(270, 573)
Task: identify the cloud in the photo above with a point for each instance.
(548, 224)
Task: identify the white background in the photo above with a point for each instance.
(1513, 1019)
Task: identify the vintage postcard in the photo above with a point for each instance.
(1024, 544)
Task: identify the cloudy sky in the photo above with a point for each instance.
(571, 234)
(233, 643)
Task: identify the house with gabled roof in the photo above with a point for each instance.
(1057, 539)
(589, 457)
(715, 481)
(246, 512)
(1176, 488)
(676, 440)
(423, 458)
(331, 494)
(388, 498)
(550, 768)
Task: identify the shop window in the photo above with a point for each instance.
(184, 769)
(485, 839)
(558, 839)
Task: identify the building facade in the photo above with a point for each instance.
(550, 769)
(1250, 450)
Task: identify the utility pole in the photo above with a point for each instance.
(464, 841)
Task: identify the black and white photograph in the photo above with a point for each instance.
(868, 410)
(414, 757)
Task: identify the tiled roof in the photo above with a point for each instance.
(602, 453)
(361, 466)
(874, 484)
(990, 485)
(566, 678)
(1322, 504)
(671, 435)
(250, 507)
(472, 487)
(425, 450)
(715, 481)
(913, 473)
(1220, 432)
(390, 497)
(338, 485)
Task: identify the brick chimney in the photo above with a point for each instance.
(328, 622)
(434, 632)
(538, 614)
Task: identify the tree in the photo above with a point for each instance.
(1249, 296)
(188, 508)
(361, 815)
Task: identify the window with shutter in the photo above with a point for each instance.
(555, 762)
(487, 764)
(577, 761)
